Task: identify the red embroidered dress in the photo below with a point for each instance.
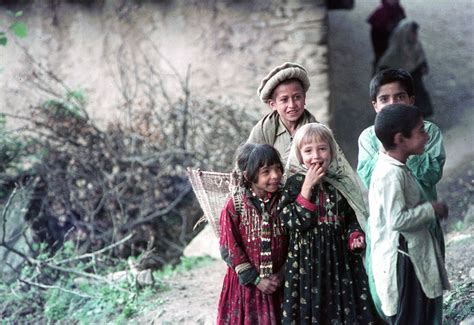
(247, 257)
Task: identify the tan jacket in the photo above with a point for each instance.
(271, 130)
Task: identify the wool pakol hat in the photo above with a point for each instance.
(279, 74)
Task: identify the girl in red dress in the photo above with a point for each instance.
(253, 241)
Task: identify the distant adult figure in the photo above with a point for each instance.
(383, 21)
(406, 52)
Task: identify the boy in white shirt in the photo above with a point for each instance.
(406, 260)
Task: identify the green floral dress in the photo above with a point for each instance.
(325, 282)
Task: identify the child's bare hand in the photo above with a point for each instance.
(278, 278)
(268, 285)
(358, 243)
(441, 209)
(315, 174)
(313, 177)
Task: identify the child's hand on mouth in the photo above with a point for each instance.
(313, 177)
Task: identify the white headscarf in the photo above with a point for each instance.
(402, 51)
(339, 174)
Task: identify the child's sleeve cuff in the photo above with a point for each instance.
(300, 199)
(353, 236)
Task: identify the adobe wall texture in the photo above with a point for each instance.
(228, 46)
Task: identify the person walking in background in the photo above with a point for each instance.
(406, 52)
(284, 91)
(393, 86)
(321, 205)
(406, 261)
(383, 21)
(253, 242)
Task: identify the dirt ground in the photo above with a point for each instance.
(447, 34)
(193, 296)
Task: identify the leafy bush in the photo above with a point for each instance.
(459, 303)
(122, 187)
(80, 291)
(17, 27)
(14, 162)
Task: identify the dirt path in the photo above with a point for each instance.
(191, 299)
(193, 296)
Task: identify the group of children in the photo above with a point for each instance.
(295, 233)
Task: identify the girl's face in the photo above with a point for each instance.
(316, 152)
(268, 180)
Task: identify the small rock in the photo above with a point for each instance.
(205, 243)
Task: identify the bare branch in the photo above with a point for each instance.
(93, 254)
(4, 222)
(158, 213)
(45, 286)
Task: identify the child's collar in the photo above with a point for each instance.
(391, 159)
(267, 198)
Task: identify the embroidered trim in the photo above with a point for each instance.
(326, 204)
(266, 263)
(242, 267)
(301, 200)
(263, 227)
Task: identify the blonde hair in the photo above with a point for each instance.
(313, 132)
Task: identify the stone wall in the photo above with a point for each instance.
(228, 46)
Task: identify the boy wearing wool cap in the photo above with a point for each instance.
(284, 90)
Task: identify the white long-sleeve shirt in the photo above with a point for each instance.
(396, 207)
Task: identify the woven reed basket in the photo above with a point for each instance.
(212, 189)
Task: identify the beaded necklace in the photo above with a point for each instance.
(266, 264)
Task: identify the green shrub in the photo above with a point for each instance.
(459, 303)
(65, 299)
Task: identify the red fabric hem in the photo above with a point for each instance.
(301, 200)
